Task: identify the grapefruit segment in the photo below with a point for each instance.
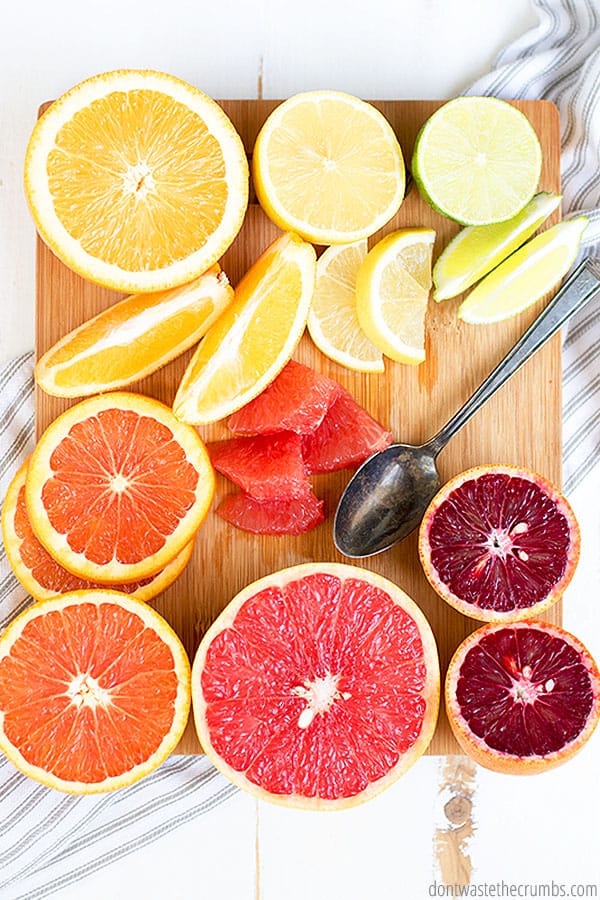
(317, 686)
(297, 400)
(346, 437)
(264, 466)
(94, 691)
(275, 515)
(117, 487)
(522, 698)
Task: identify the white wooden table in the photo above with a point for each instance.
(518, 831)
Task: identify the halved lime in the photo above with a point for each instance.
(477, 249)
(524, 277)
(477, 160)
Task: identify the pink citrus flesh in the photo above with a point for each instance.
(275, 515)
(499, 543)
(317, 686)
(522, 697)
(264, 466)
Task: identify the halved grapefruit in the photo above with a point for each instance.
(94, 691)
(317, 686)
(117, 487)
(43, 577)
(499, 543)
(522, 698)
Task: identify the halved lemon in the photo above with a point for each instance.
(136, 180)
(332, 319)
(329, 167)
(392, 289)
(253, 339)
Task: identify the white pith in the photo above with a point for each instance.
(320, 695)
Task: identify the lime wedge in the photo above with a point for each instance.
(477, 160)
(478, 249)
(525, 276)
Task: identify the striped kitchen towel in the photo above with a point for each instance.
(49, 840)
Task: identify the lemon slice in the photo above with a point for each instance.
(524, 277)
(332, 319)
(254, 337)
(136, 180)
(478, 249)
(392, 288)
(477, 160)
(329, 167)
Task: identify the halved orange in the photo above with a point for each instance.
(94, 691)
(43, 577)
(136, 180)
(117, 487)
(133, 338)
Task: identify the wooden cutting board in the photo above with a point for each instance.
(521, 424)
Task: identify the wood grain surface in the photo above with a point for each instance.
(521, 424)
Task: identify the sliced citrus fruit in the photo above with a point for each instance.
(534, 270)
(254, 338)
(117, 487)
(522, 698)
(136, 180)
(329, 167)
(44, 577)
(499, 543)
(275, 515)
(477, 160)
(264, 466)
(392, 289)
(477, 249)
(94, 691)
(332, 320)
(297, 400)
(133, 338)
(317, 686)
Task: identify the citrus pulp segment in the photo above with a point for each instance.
(392, 289)
(526, 276)
(133, 337)
(43, 577)
(94, 691)
(477, 249)
(117, 487)
(254, 337)
(329, 167)
(332, 320)
(274, 515)
(477, 160)
(499, 543)
(265, 465)
(522, 698)
(317, 686)
(136, 180)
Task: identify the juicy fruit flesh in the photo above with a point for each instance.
(265, 466)
(499, 542)
(121, 484)
(138, 197)
(275, 515)
(88, 692)
(524, 691)
(316, 689)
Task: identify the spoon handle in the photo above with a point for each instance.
(581, 286)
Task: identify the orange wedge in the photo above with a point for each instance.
(133, 338)
(136, 180)
(254, 338)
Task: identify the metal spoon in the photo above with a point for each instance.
(387, 496)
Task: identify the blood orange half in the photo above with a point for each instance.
(117, 487)
(317, 686)
(522, 698)
(44, 577)
(94, 691)
(499, 543)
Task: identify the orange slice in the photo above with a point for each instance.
(117, 487)
(254, 338)
(136, 180)
(94, 691)
(133, 338)
(43, 577)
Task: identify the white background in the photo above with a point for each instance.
(527, 830)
